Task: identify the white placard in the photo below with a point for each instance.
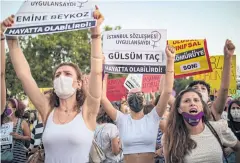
(6, 129)
(42, 17)
(135, 51)
(133, 81)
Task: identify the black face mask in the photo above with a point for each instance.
(135, 103)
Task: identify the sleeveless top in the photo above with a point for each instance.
(19, 151)
(67, 143)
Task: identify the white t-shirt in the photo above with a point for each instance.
(104, 135)
(208, 149)
(138, 136)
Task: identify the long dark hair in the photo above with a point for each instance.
(177, 138)
(80, 95)
(102, 116)
(235, 126)
(135, 100)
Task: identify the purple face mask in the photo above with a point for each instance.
(192, 120)
(8, 111)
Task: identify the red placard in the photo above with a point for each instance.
(116, 89)
(150, 83)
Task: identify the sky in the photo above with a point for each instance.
(214, 21)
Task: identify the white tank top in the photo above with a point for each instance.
(67, 143)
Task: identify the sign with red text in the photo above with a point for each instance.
(150, 83)
(52, 16)
(191, 57)
(135, 51)
(116, 89)
(214, 78)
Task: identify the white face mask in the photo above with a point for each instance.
(205, 96)
(235, 114)
(63, 87)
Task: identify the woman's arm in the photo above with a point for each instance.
(115, 146)
(3, 82)
(107, 106)
(23, 72)
(26, 132)
(168, 82)
(95, 78)
(219, 104)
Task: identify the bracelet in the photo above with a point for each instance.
(2, 38)
(170, 71)
(95, 36)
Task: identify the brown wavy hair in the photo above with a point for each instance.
(80, 95)
(177, 141)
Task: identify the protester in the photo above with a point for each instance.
(36, 135)
(13, 113)
(70, 118)
(107, 137)
(138, 132)
(218, 104)
(234, 117)
(189, 137)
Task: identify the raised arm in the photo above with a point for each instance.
(219, 103)
(95, 77)
(3, 82)
(23, 72)
(109, 109)
(168, 82)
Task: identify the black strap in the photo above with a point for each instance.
(216, 135)
(19, 121)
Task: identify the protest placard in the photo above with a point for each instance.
(191, 57)
(214, 78)
(150, 83)
(47, 16)
(133, 81)
(6, 138)
(135, 51)
(147, 83)
(116, 89)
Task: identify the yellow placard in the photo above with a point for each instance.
(191, 57)
(30, 104)
(215, 77)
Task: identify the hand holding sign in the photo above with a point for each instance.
(7, 23)
(170, 52)
(229, 48)
(99, 17)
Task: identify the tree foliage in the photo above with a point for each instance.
(181, 84)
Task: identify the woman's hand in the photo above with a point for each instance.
(170, 52)
(100, 18)
(8, 22)
(16, 135)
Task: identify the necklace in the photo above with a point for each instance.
(67, 112)
(60, 120)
